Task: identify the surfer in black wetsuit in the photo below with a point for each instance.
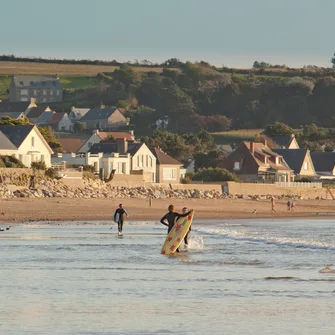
(121, 211)
(171, 217)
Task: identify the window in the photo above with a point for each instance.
(24, 99)
(44, 92)
(305, 166)
(21, 83)
(35, 92)
(42, 158)
(169, 173)
(150, 161)
(51, 92)
(147, 160)
(33, 141)
(237, 166)
(58, 92)
(44, 99)
(138, 161)
(142, 160)
(24, 92)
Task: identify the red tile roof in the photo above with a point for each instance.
(163, 158)
(56, 118)
(116, 134)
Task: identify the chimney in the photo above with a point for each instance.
(265, 142)
(252, 147)
(96, 131)
(122, 145)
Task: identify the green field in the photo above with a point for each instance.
(80, 82)
(227, 137)
(4, 86)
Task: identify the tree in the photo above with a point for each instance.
(6, 120)
(143, 117)
(79, 126)
(49, 135)
(333, 60)
(278, 129)
(215, 174)
(208, 160)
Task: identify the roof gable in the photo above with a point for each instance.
(16, 134)
(5, 143)
(36, 112)
(104, 135)
(163, 158)
(56, 118)
(323, 161)
(293, 157)
(98, 114)
(70, 145)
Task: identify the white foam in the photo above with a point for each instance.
(196, 242)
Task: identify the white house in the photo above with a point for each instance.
(29, 143)
(98, 136)
(141, 157)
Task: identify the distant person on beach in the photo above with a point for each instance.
(184, 210)
(288, 205)
(273, 205)
(119, 220)
(292, 205)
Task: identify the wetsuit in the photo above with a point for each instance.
(171, 218)
(121, 212)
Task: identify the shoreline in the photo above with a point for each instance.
(65, 209)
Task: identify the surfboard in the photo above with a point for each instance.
(177, 234)
(117, 217)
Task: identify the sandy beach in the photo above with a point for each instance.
(63, 209)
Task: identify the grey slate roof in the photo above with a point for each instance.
(13, 115)
(37, 82)
(10, 107)
(44, 118)
(98, 114)
(36, 112)
(16, 134)
(323, 161)
(293, 157)
(5, 143)
(108, 147)
(283, 140)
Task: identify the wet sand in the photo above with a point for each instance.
(62, 209)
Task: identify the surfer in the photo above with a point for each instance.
(171, 217)
(119, 217)
(184, 210)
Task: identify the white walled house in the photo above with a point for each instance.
(109, 162)
(31, 145)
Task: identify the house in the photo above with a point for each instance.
(98, 136)
(77, 114)
(17, 107)
(104, 118)
(285, 142)
(60, 122)
(324, 164)
(141, 157)
(29, 143)
(44, 118)
(13, 115)
(167, 168)
(70, 145)
(41, 88)
(35, 112)
(256, 162)
(299, 160)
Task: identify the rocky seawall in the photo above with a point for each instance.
(53, 188)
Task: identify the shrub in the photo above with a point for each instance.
(10, 162)
(38, 165)
(51, 173)
(215, 174)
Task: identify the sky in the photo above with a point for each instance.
(232, 33)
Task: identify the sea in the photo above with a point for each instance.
(264, 276)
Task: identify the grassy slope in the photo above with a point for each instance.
(227, 137)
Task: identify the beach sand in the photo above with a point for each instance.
(62, 209)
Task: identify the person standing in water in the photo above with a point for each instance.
(120, 212)
(273, 205)
(171, 217)
(184, 210)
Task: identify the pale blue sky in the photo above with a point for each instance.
(230, 32)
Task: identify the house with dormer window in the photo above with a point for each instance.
(256, 162)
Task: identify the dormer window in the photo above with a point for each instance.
(237, 166)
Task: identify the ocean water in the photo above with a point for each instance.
(238, 277)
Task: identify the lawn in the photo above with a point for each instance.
(80, 82)
(226, 137)
(4, 86)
